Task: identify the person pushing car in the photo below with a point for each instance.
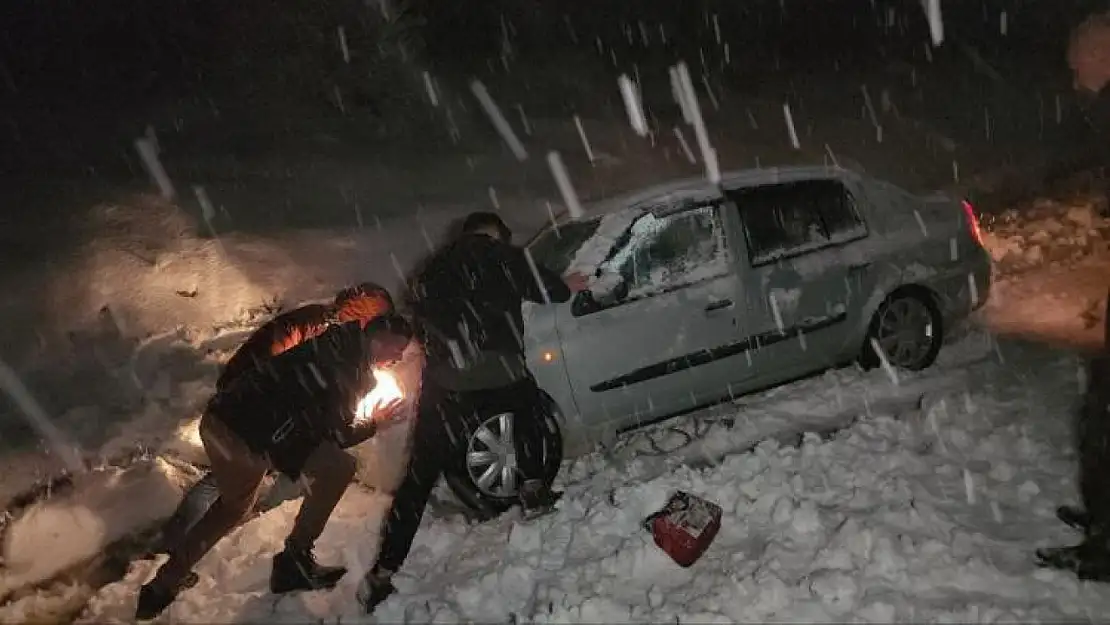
(295, 415)
(361, 303)
(466, 302)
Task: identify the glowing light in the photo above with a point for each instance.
(189, 433)
(973, 223)
(548, 356)
(386, 392)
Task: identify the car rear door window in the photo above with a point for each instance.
(788, 219)
(841, 215)
(660, 254)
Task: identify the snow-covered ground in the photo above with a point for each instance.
(1051, 266)
(119, 320)
(994, 409)
(925, 506)
(130, 329)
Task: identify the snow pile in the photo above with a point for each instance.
(931, 516)
(1049, 232)
(100, 509)
(121, 338)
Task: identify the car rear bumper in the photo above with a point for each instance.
(966, 289)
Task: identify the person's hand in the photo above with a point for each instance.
(577, 281)
(389, 414)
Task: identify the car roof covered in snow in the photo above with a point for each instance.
(700, 188)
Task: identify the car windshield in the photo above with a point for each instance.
(556, 246)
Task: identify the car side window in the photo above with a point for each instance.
(788, 219)
(661, 254)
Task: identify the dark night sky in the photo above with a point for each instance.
(70, 46)
(83, 75)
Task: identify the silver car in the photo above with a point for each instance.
(704, 292)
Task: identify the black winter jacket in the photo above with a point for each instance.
(471, 292)
(296, 400)
(1088, 144)
(280, 334)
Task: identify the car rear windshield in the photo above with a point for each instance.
(556, 246)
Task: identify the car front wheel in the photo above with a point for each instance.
(908, 329)
(486, 476)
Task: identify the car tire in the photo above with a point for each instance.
(461, 479)
(922, 319)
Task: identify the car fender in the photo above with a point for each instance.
(890, 277)
(545, 359)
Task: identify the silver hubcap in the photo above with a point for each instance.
(906, 332)
(491, 456)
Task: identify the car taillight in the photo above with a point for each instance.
(973, 223)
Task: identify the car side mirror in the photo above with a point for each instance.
(584, 303)
(608, 290)
(609, 286)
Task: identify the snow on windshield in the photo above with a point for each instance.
(667, 252)
(613, 225)
(597, 247)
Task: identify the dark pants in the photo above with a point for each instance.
(1094, 450)
(439, 438)
(203, 495)
(193, 506)
(238, 473)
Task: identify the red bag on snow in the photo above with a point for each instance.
(685, 527)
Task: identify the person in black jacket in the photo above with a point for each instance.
(1089, 60)
(1090, 559)
(363, 303)
(296, 415)
(1085, 140)
(467, 304)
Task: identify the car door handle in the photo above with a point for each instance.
(718, 305)
(859, 266)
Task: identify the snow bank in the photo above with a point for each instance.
(126, 343)
(73, 527)
(1048, 232)
(98, 509)
(121, 337)
(1050, 262)
(929, 517)
(144, 269)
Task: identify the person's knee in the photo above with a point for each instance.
(235, 506)
(346, 466)
(332, 463)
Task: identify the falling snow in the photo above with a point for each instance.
(877, 496)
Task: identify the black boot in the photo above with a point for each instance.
(377, 587)
(1089, 560)
(153, 600)
(537, 499)
(1095, 564)
(1076, 517)
(155, 597)
(296, 569)
(1063, 558)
